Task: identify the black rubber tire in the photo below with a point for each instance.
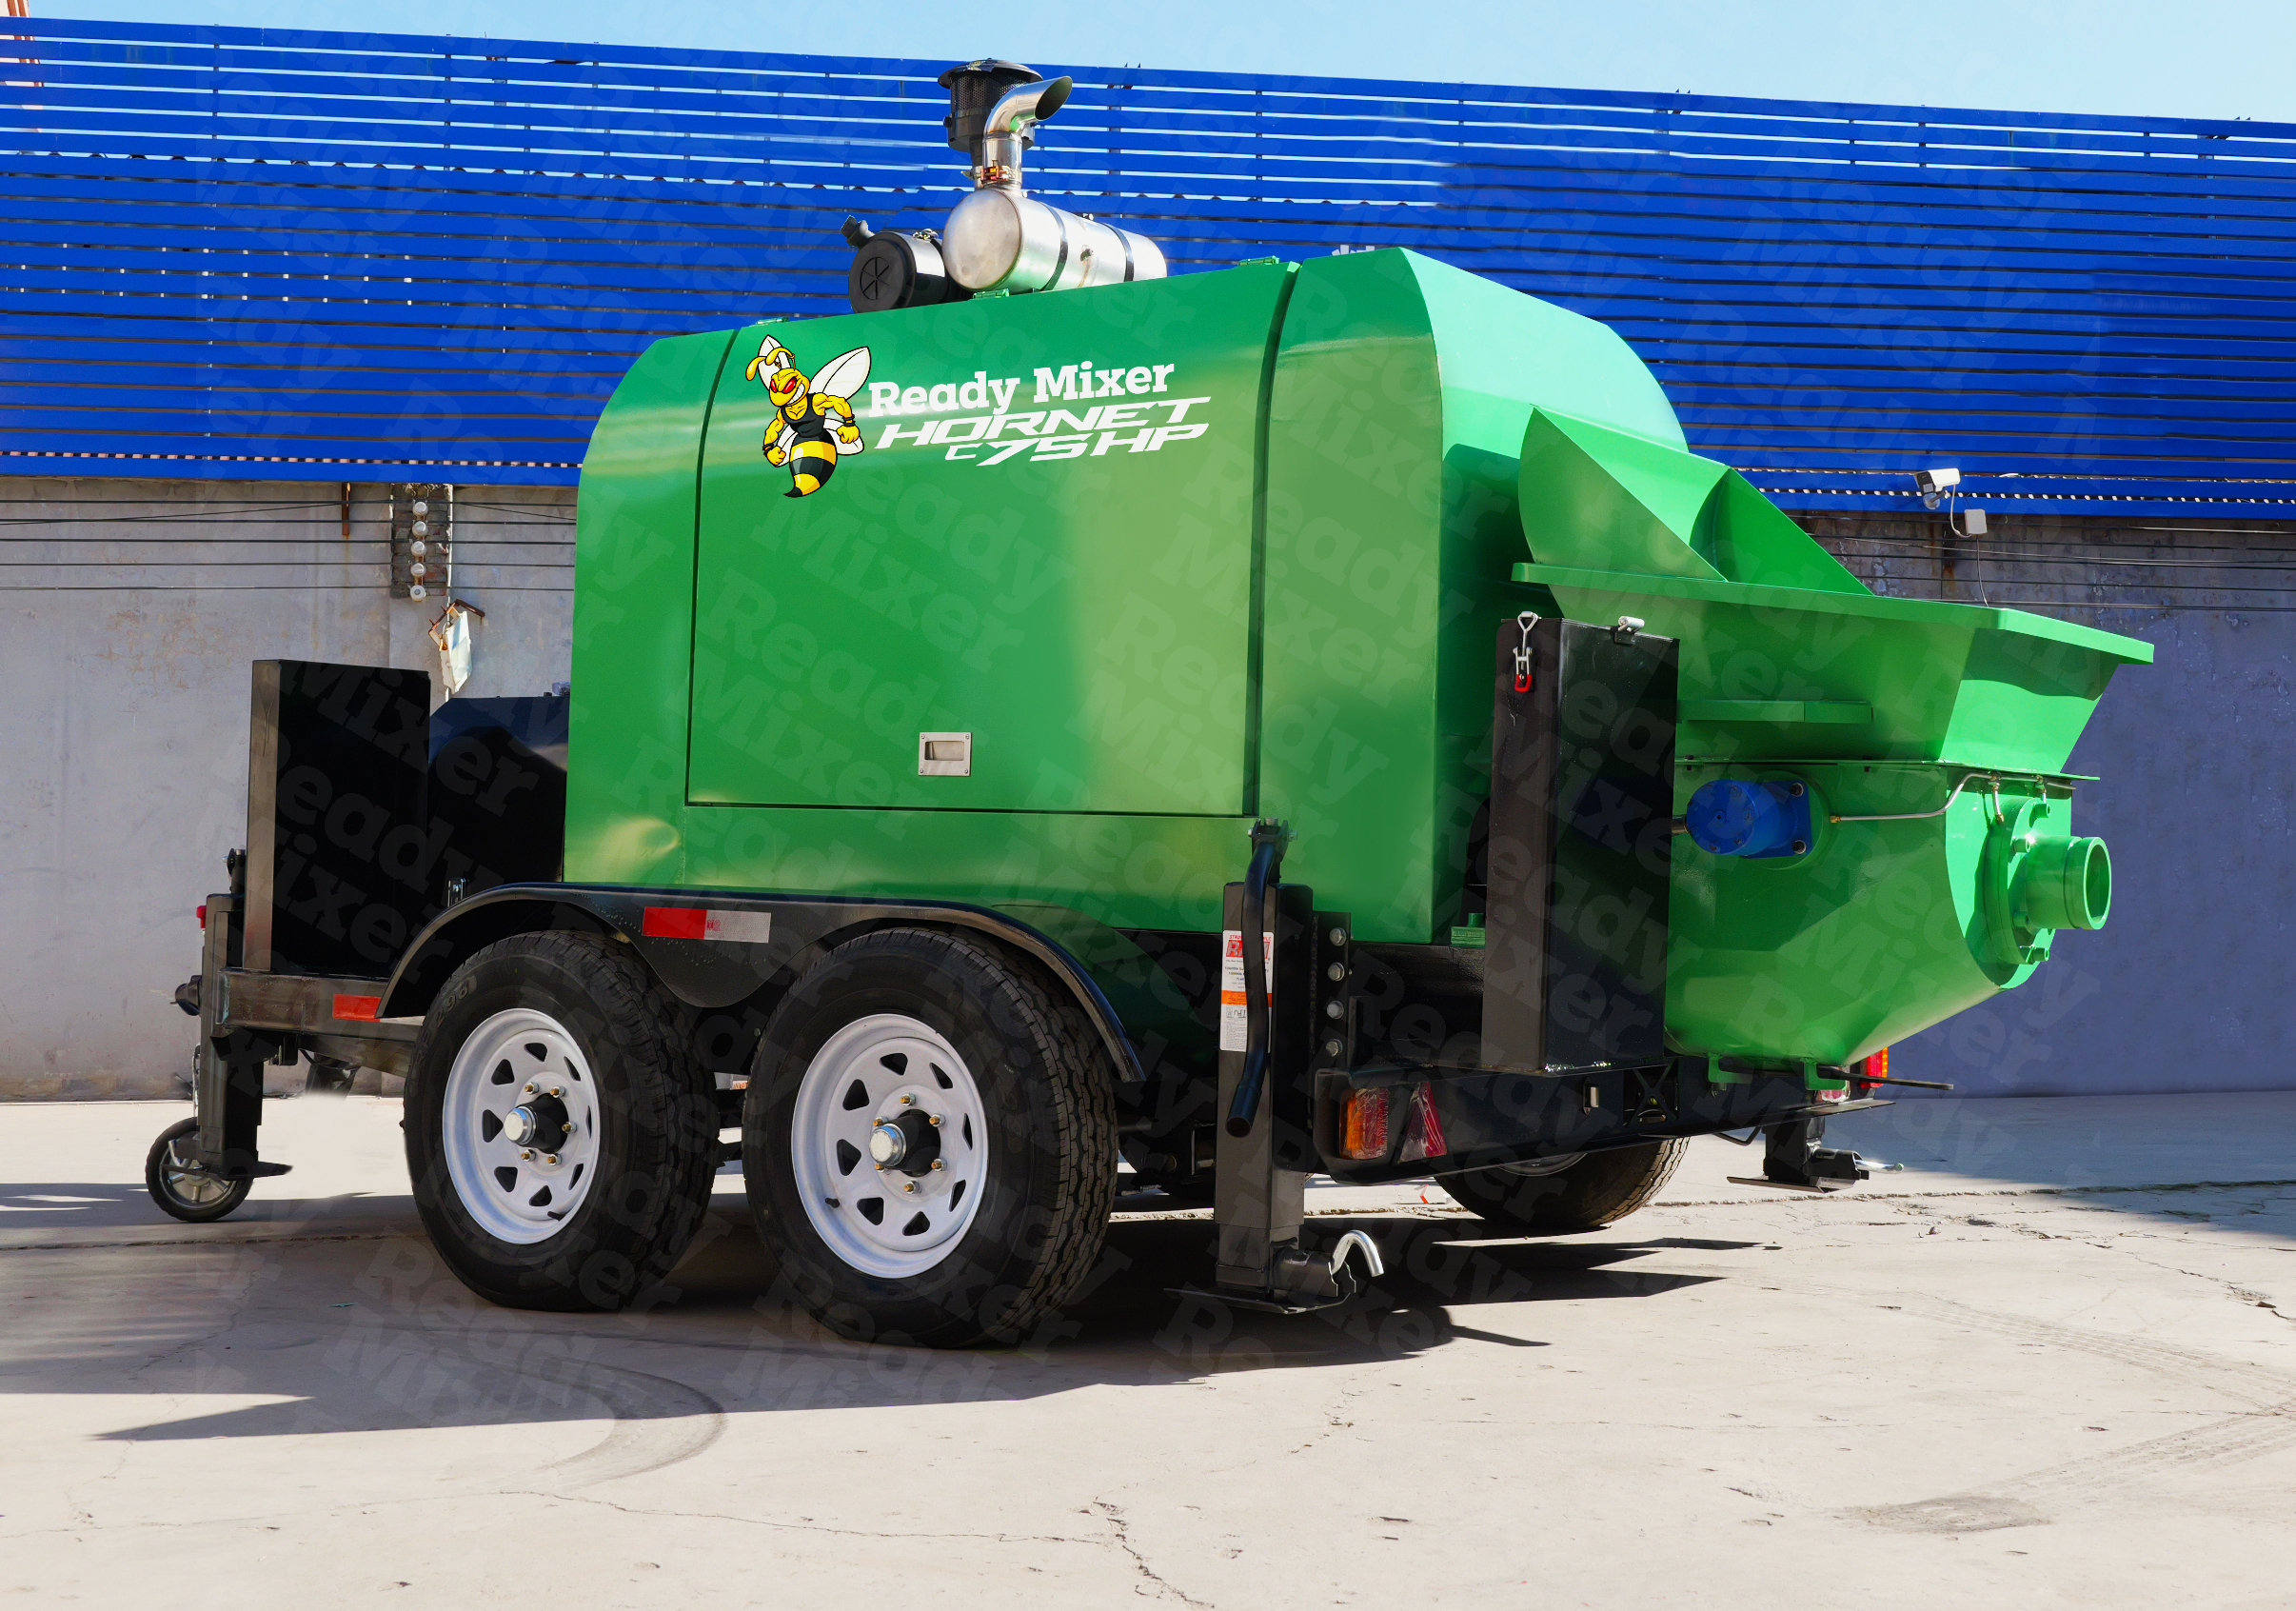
(155, 1181)
(658, 1124)
(1599, 1188)
(1046, 1087)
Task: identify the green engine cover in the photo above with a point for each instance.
(1030, 539)
(1043, 599)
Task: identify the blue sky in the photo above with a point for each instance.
(2181, 58)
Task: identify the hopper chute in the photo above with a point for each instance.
(1922, 743)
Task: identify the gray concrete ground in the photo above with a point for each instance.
(2049, 1363)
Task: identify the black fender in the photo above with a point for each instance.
(715, 950)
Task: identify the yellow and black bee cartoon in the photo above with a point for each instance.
(814, 420)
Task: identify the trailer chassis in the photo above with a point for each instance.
(1170, 1087)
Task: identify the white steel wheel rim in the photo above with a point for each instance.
(517, 1067)
(887, 1221)
(187, 1180)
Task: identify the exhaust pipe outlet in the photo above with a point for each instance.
(1000, 238)
(996, 138)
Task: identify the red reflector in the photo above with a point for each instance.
(1364, 1126)
(677, 922)
(1877, 1065)
(365, 1008)
(708, 922)
(203, 917)
(1422, 1131)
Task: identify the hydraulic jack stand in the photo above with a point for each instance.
(1265, 1150)
(1793, 1161)
(226, 1088)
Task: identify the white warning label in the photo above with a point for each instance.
(1232, 985)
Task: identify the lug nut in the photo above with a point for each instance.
(550, 1157)
(526, 1154)
(937, 1164)
(908, 1102)
(932, 1117)
(558, 1090)
(531, 1087)
(908, 1186)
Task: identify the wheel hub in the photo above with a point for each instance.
(541, 1122)
(909, 1141)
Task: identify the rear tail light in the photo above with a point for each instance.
(1422, 1130)
(1364, 1126)
(1877, 1067)
(203, 917)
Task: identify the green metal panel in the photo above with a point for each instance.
(633, 621)
(1066, 578)
(1878, 933)
(1963, 683)
(1402, 390)
(1182, 544)
(1595, 497)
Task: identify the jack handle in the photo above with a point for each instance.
(1267, 866)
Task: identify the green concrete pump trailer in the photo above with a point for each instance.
(1303, 718)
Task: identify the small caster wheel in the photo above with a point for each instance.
(184, 1187)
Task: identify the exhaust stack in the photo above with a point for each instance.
(999, 238)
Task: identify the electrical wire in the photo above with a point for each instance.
(249, 587)
(1960, 551)
(190, 517)
(216, 565)
(557, 544)
(2145, 608)
(262, 516)
(2115, 586)
(1960, 544)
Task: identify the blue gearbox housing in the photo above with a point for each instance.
(1750, 818)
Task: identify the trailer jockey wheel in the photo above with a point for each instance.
(929, 1141)
(560, 1136)
(1582, 1192)
(181, 1184)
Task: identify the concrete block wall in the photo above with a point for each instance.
(131, 610)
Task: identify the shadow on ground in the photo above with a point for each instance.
(365, 1333)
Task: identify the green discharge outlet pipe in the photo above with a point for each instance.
(2064, 884)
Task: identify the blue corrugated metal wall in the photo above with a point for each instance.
(247, 252)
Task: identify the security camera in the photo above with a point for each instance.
(1935, 484)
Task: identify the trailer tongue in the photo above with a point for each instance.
(1291, 719)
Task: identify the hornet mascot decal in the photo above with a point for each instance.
(813, 421)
